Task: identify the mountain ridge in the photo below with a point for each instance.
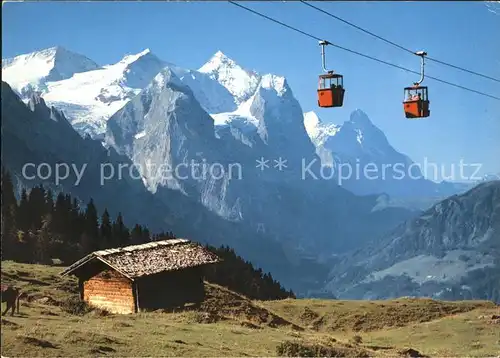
(51, 64)
(440, 253)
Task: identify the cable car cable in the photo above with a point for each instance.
(359, 53)
(276, 21)
(463, 69)
(395, 44)
(357, 27)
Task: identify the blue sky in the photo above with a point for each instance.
(462, 125)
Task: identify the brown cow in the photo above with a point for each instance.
(11, 295)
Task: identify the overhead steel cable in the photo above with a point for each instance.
(462, 69)
(395, 44)
(357, 27)
(276, 21)
(358, 53)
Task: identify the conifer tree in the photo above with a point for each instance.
(91, 228)
(49, 201)
(42, 246)
(36, 205)
(23, 215)
(8, 216)
(76, 217)
(121, 234)
(136, 235)
(106, 230)
(145, 235)
(61, 222)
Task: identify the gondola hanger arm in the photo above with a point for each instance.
(422, 55)
(324, 43)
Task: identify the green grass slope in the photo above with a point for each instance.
(229, 324)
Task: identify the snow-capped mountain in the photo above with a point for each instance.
(358, 139)
(166, 126)
(213, 97)
(31, 72)
(240, 82)
(376, 167)
(452, 250)
(91, 97)
(257, 110)
(318, 131)
(88, 94)
(270, 121)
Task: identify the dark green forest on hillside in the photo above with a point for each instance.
(42, 226)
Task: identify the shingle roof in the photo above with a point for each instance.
(151, 258)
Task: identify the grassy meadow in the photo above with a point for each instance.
(50, 324)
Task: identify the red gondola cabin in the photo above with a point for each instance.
(416, 103)
(330, 90)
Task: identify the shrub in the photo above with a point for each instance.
(299, 349)
(75, 306)
(202, 317)
(357, 339)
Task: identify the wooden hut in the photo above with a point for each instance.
(159, 274)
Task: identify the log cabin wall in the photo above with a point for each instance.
(171, 289)
(111, 291)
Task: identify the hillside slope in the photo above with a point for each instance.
(228, 324)
(450, 251)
